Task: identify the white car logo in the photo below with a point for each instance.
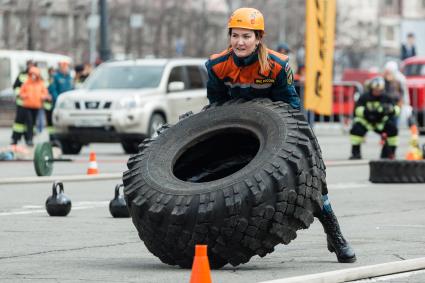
(91, 104)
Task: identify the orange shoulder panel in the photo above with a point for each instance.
(277, 54)
(222, 53)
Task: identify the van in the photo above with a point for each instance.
(12, 62)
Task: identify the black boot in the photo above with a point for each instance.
(355, 153)
(336, 241)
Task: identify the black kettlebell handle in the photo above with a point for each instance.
(55, 185)
(117, 190)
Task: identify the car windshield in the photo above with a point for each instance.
(125, 77)
(414, 70)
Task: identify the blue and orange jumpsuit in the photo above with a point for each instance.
(232, 77)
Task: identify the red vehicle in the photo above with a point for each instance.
(414, 70)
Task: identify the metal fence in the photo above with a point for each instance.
(417, 100)
(344, 96)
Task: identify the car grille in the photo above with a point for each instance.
(92, 105)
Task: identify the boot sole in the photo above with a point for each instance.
(342, 260)
(347, 260)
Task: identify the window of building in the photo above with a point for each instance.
(389, 3)
(389, 33)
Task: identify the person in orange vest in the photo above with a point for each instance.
(32, 93)
(248, 69)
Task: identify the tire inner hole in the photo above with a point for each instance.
(217, 155)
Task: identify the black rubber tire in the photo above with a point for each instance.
(238, 214)
(70, 147)
(130, 146)
(397, 171)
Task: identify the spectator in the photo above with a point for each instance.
(32, 93)
(408, 49)
(395, 84)
(82, 71)
(19, 128)
(285, 50)
(61, 82)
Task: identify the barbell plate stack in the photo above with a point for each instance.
(43, 159)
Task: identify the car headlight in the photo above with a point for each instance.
(65, 104)
(128, 103)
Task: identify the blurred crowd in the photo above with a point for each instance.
(36, 97)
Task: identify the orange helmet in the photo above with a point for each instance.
(247, 18)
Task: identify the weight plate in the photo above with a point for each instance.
(43, 159)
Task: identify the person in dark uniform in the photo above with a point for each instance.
(19, 129)
(375, 111)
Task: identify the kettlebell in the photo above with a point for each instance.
(58, 204)
(118, 206)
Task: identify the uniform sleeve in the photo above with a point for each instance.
(17, 85)
(359, 107)
(23, 92)
(284, 89)
(216, 90)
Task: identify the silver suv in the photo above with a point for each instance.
(127, 101)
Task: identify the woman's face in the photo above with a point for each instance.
(243, 41)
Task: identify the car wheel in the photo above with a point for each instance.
(155, 123)
(130, 146)
(240, 178)
(70, 147)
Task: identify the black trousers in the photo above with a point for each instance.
(24, 124)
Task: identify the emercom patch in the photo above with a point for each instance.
(264, 81)
(289, 77)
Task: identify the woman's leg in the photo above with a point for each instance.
(335, 239)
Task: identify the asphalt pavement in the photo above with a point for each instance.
(383, 222)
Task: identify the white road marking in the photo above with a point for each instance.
(31, 209)
(389, 277)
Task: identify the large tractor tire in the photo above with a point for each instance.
(397, 171)
(240, 177)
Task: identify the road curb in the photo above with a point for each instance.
(49, 179)
(108, 176)
(357, 273)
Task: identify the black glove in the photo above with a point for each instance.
(388, 109)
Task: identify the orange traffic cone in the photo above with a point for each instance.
(414, 152)
(201, 266)
(92, 170)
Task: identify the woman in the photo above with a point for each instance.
(247, 69)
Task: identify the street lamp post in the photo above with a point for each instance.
(136, 23)
(93, 24)
(105, 51)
